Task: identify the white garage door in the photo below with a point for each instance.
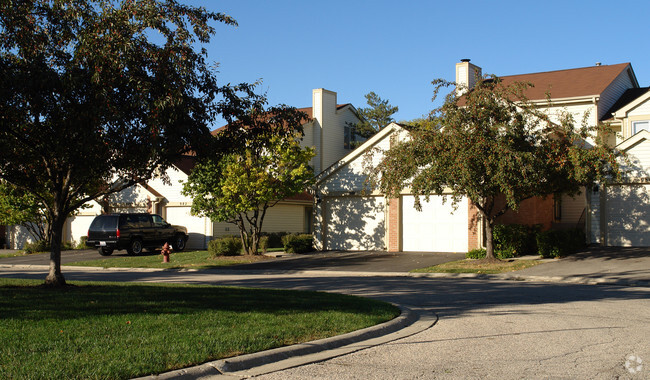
(355, 223)
(437, 228)
(196, 226)
(628, 214)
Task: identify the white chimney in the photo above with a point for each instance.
(467, 75)
(325, 132)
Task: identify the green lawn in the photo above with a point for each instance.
(190, 259)
(118, 331)
(479, 266)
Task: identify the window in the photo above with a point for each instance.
(348, 137)
(638, 126)
(158, 221)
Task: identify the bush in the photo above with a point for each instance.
(82, 243)
(225, 246)
(37, 246)
(511, 240)
(558, 243)
(41, 246)
(478, 253)
(264, 243)
(298, 243)
(275, 239)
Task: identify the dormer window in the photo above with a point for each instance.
(638, 126)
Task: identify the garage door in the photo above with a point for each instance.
(196, 226)
(355, 223)
(437, 228)
(628, 215)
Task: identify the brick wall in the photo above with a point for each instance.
(531, 211)
(473, 233)
(394, 225)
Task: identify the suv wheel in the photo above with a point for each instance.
(179, 242)
(104, 251)
(135, 248)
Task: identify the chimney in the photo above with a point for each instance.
(325, 131)
(467, 75)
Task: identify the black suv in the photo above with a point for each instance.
(134, 232)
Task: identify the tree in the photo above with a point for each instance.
(22, 209)
(97, 96)
(373, 118)
(240, 187)
(492, 143)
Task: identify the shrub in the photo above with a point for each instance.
(82, 243)
(298, 243)
(511, 240)
(264, 243)
(225, 246)
(558, 243)
(37, 246)
(275, 239)
(478, 253)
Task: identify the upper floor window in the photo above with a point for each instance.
(348, 137)
(637, 126)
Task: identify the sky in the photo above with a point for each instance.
(396, 48)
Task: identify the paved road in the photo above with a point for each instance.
(486, 329)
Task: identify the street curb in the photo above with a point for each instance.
(512, 276)
(290, 356)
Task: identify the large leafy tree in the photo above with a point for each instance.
(492, 144)
(96, 95)
(377, 115)
(240, 187)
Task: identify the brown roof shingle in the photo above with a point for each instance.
(585, 81)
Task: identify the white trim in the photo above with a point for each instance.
(622, 113)
(635, 139)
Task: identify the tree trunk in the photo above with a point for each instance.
(55, 277)
(489, 240)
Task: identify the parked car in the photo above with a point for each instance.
(134, 232)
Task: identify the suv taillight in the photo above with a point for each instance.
(117, 234)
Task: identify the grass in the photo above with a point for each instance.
(177, 260)
(118, 331)
(479, 266)
(13, 254)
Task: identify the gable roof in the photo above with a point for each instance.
(631, 98)
(363, 148)
(585, 81)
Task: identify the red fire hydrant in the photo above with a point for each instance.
(165, 251)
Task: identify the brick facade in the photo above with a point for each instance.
(531, 211)
(394, 225)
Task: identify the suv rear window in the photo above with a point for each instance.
(104, 223)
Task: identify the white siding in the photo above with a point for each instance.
(573, 209)
(639, 156)
(353, 175)
(17, 237)
(172, 190)
(641, 110)
(279, 218)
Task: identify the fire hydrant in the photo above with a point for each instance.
(165, 251)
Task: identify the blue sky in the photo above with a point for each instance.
(397, 48)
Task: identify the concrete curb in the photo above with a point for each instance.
(277, 359)
(511, 276)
